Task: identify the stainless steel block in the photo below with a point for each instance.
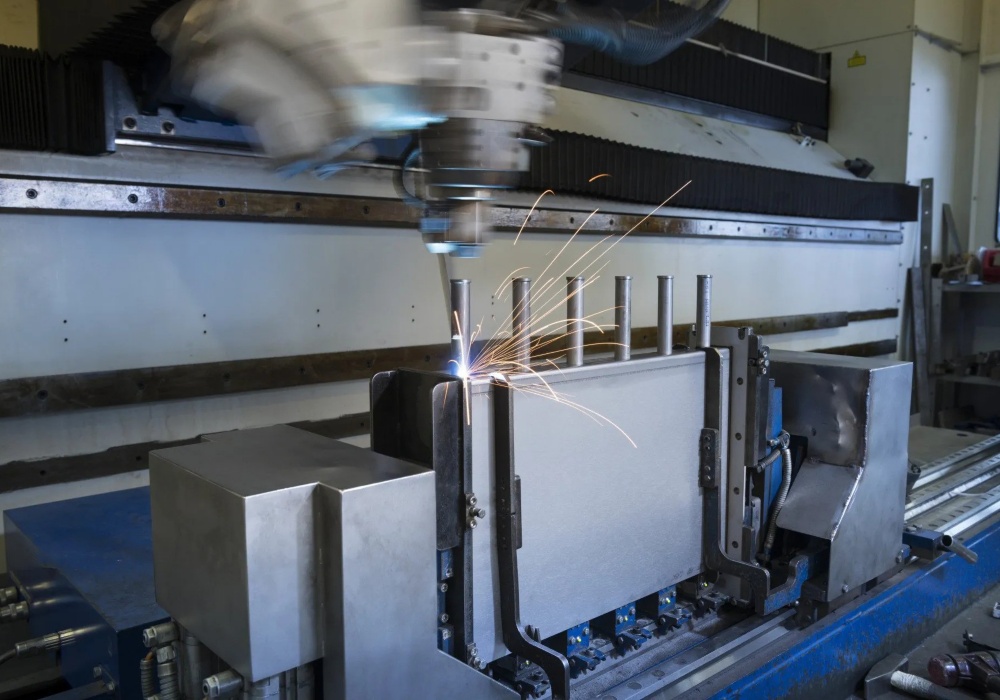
(276, 547)
(852, 489)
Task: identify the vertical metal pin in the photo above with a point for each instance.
(522, 321)
(460, 323)
(703, 321)
(665, 316)
(574, 321)
(623, 318)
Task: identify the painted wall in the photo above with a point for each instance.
(19, 23)
(983, 215)
(743, 12)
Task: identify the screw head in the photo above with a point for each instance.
(586, 630)
(631, 611)
(443, 588)
(473, 523)
(443, 618)
(98, 672)
(845, 588)
(471, 499)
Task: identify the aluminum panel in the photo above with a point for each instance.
(604, 523)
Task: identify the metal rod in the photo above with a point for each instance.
(665, 316)
(623, 318)
(703, 321)
(574, 321)
(522, 321)
(460, 323)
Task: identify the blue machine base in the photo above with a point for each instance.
(831, 658)
(87, 564)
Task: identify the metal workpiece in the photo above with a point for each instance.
(623, 318)
(562, 458)
(703, 317)
(574, 321)
(460, 323)
(521, 326)
(665, 315)
(262, 549)
(852, 489)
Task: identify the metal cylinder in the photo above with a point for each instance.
(461, 325)
(665, 315)
(522, 321)
(223, 685)
(703, 321)
(192, 664)
(623, 318)
(574, 321)
(8, 595)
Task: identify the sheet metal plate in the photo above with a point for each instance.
(604, 523)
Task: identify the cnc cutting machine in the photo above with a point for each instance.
(495, 542)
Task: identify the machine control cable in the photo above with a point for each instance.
(40, 645)
(786, 483)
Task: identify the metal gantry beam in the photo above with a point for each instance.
(123, 199)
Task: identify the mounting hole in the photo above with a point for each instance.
(221, 202)
(427, 358)
(736, 490)
(736, 545)
(168, 127)
(572, 220)
(302, 370)
(739, 436)
(133, 199)
(42, 395)
(366, 209)
(130, 123)
(140, 386)
(739, 381)
(31, 194)
(226, 377)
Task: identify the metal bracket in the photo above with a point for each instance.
(709, 461)
(515, 638)
(715, 555)
(473, 513)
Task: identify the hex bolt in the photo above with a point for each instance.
(479, 513)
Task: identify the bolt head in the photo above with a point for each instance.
(631, 611)
(97, 671)
(471, 499)
(845, 588)
(473, 523)
(443, 588)
(586, 630)
(444, 617)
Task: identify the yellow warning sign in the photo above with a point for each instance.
(857, 60)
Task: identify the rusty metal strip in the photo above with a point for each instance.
(69, 392)
(82, 197)
(127, 458)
